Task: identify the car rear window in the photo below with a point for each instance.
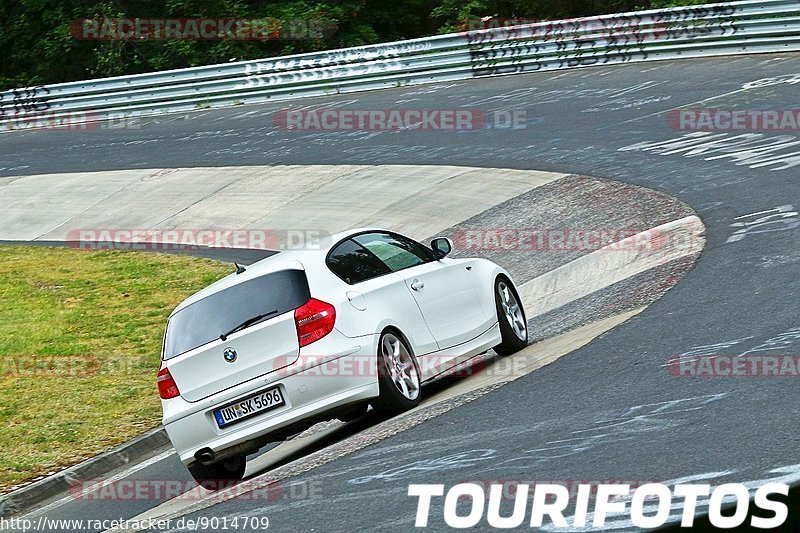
(204, 320)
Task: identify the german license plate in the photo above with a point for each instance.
(247, 407)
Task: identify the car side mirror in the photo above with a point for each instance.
(441, 247)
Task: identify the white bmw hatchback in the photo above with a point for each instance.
(322, 332)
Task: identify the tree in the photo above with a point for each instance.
(38, 47)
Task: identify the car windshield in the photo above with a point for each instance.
(205, 320)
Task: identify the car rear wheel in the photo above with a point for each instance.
(212, 477)
(511, 317)
(398, 376)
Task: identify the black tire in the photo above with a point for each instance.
(392, 399)
(214, 477)
(512, 339)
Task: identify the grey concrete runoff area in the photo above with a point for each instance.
(601, 403)
(417, 200)
(423, 200)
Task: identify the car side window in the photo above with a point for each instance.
(353, 263)
(395, 251)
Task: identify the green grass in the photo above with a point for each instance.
(80, 337)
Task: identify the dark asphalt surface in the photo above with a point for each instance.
(610, 410)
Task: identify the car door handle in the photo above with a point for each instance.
(417, 285)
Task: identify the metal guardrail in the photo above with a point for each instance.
(730, 28)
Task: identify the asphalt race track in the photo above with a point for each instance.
(609, 410)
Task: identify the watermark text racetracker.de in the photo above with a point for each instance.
(325, 366)
(453, 120)
(578, 28)
(717, 119)
(196, 238)
(58, 366)
(734, 366)
(265, 490)
(529, 239)
(71, 121)
(651, 505)
(247, 29)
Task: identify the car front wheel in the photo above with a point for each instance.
(511, 317)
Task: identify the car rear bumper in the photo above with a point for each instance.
(309, 389)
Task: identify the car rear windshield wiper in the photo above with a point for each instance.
(248, 322)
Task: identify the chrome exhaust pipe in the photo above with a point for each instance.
(205, 456)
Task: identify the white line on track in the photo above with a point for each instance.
(682, 106)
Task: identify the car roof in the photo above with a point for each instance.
(291, 259)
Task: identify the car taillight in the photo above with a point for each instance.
(314, 320)
(167, 388)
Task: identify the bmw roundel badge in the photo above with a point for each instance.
(229, 354)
